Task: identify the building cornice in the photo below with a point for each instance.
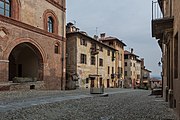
(57, 5)
(90, 38)
(29, 27)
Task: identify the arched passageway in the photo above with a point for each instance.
(25, 61)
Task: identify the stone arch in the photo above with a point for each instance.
(49, 13)
(23, 40)
(26, 54)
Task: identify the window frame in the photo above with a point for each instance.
(47, 14)
(83, 59)
(108, 53)
(93, 60)
(4, 9)
(56, 48)
(50, 25)
(83, 42)
(108, 70)
(101, 62)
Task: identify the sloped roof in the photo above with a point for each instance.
(90, 38)
(112, 39)
(129, 53)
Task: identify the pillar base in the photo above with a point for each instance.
(4, 70)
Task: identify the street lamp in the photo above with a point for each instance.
(159, 64)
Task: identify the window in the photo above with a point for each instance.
(93, 46)
(83, 42)
(108, 52)
(125, 73)
(56, 48)
(5, 8)
(108, 70)
(125, 63)
(112, 70)
(87, 80)
(100, 62)
(50, 24)
(176, 56)
(83, 59)
(134, 65)
(125, 56)
(101, 48)
(50, 21)
(93, 60)
(113, 56)
(110, 43)
(119, 70)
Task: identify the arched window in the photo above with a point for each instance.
(5, 7)
(50, 21)
(56, 48)
(50, 24)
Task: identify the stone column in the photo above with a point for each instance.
(4, 70)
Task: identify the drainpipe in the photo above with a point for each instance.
(63, 69)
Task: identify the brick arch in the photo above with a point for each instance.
(18, 41)
(15, 9)
(50, 13)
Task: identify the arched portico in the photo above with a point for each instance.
(25, 60)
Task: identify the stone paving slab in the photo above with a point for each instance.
(132, 105)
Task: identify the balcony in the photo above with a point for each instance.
(94, 51)
(161, 21)
(113, 76)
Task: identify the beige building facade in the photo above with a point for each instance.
(119, 57)
(90, 63)
(130, 60)
(165, 29)
(32, 44)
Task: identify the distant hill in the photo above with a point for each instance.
(156, 77)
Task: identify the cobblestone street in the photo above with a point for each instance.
(121, 104)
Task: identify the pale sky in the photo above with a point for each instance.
(128, 20)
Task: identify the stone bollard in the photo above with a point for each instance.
(170, 98)
(166, 90)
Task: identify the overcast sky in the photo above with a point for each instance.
(128, 20)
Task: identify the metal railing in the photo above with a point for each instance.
(156, 11)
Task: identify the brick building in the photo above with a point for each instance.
(90, 63)
(165, 28)
(32, 44)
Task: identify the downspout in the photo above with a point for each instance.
(63, 60)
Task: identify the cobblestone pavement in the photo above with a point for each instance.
(121, 104)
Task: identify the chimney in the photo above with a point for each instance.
(142, 62)
(71, 28)
(95, 37)
(132, 50)
(102, 35)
